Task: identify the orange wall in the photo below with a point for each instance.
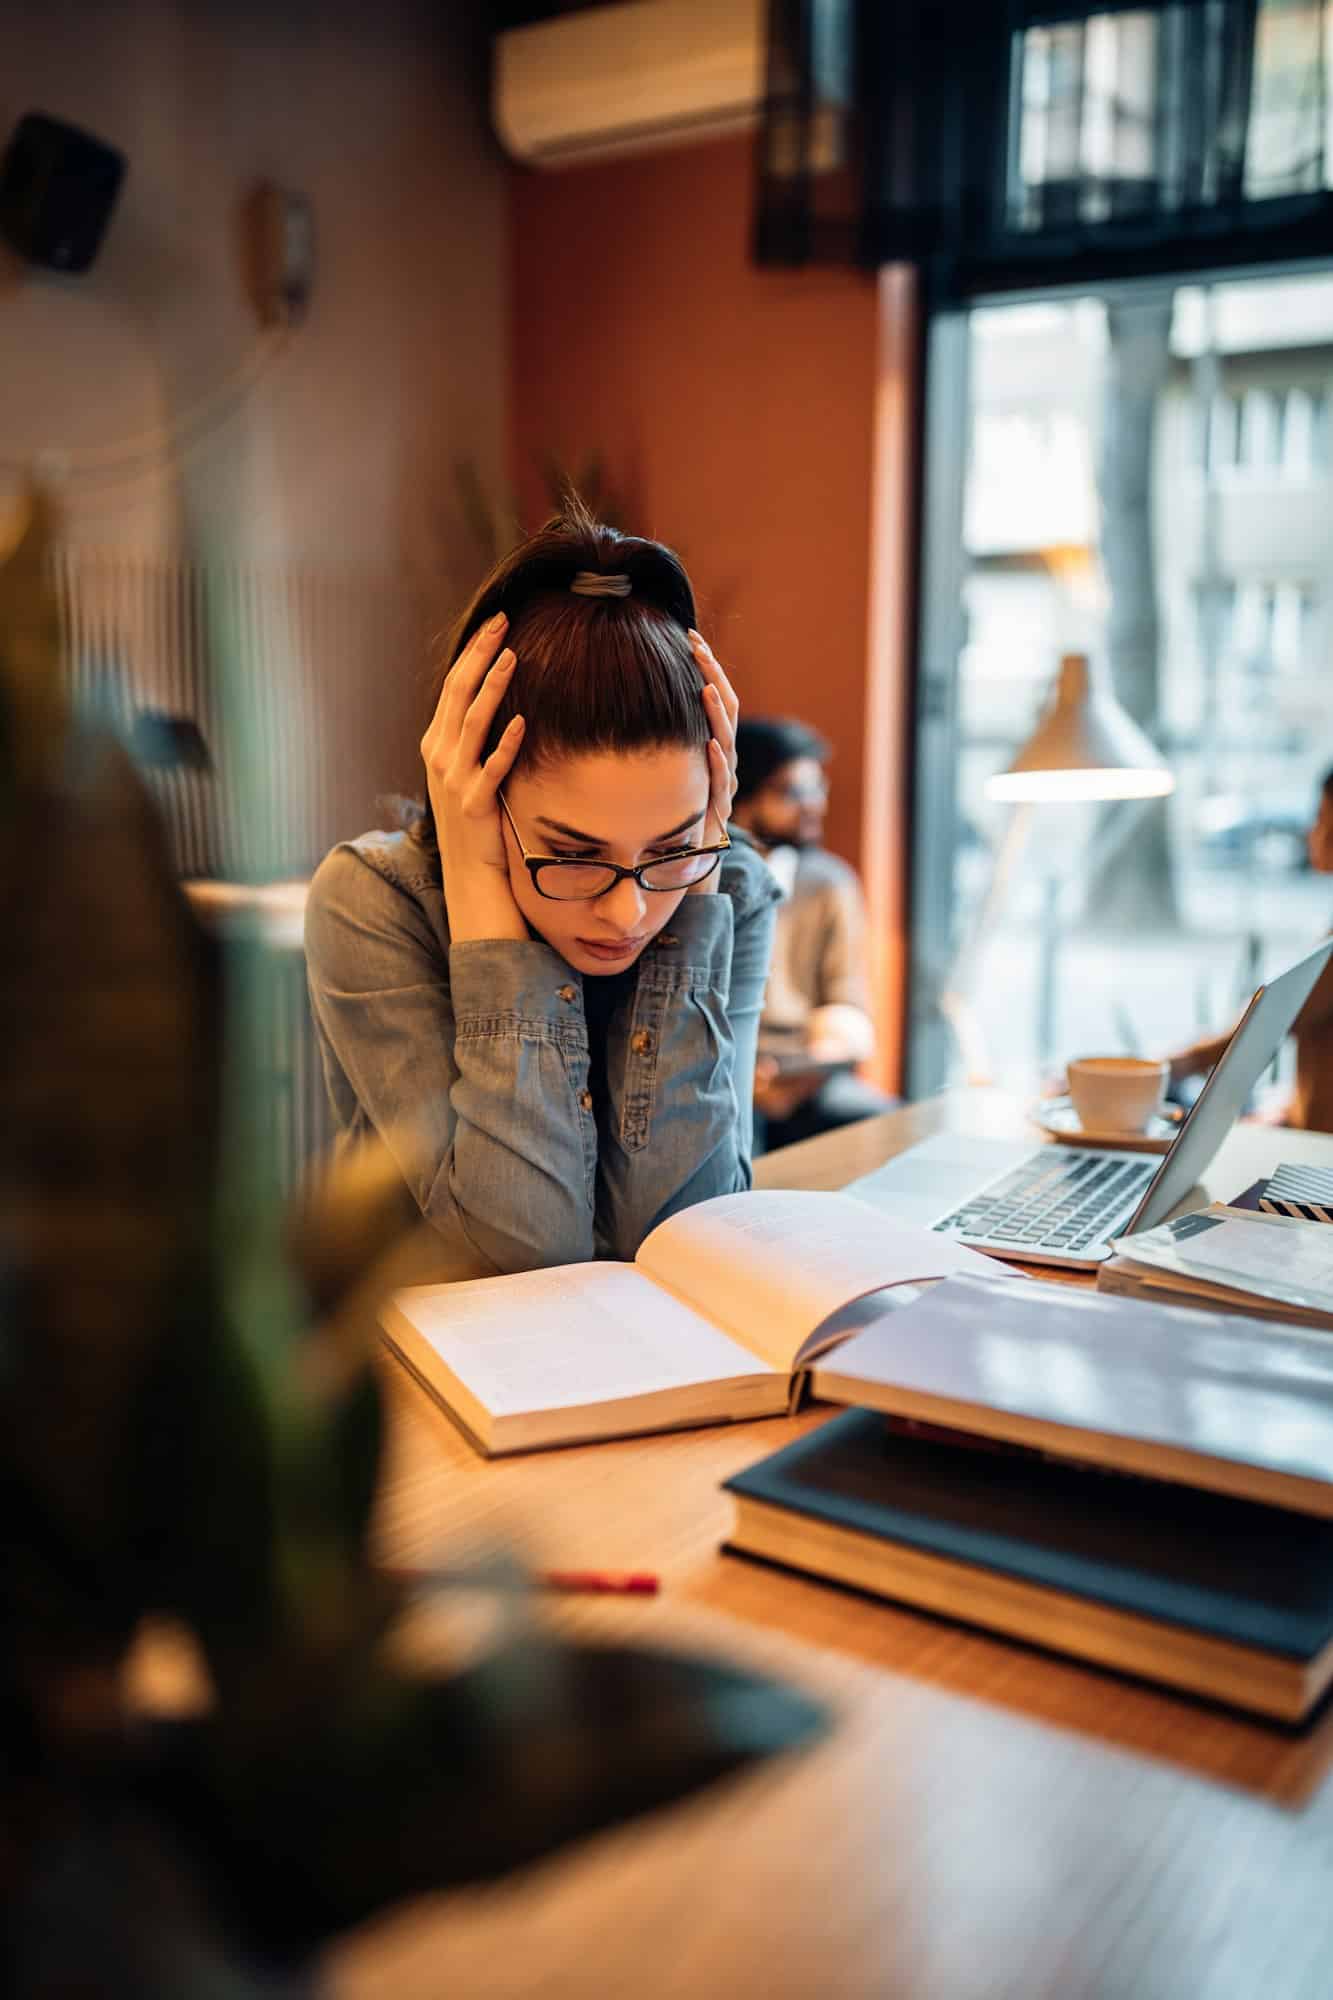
(740, 412)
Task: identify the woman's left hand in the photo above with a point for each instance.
(722, 709)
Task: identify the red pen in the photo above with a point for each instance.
(618, 1583)
(600, 1582)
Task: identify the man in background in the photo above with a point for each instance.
(816, 1024)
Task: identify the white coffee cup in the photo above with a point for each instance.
(1116, 1093)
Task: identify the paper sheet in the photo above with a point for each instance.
(1266, 1254)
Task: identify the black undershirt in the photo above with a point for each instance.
(603, 996)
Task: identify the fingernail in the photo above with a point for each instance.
(506, 663)
(494, 624)
(517, 724)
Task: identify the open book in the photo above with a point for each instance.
(724, 1306)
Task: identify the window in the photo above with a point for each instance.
(1194, 568)
(1265, 435)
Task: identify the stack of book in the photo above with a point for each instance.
(1150, 1489)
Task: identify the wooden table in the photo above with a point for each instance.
(983, 1820)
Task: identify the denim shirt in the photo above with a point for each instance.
(473, 1061)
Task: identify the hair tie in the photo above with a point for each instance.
(592, 583)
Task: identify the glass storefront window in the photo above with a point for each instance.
(1144, 477)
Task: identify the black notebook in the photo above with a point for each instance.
(1222, 1596)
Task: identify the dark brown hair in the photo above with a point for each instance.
(594, 673)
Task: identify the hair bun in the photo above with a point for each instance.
(656, 575)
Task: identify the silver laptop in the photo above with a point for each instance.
(1063, 1204)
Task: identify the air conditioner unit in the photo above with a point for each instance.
(620, 79)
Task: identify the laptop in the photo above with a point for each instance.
(1064, 1204)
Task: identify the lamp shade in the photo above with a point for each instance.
(1084, 747)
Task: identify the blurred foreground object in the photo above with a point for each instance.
(190, 1431)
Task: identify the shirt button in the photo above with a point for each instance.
(566, 993)
(585, 1100)
(667, 937)
(641, 1041)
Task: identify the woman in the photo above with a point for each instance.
(545, 996)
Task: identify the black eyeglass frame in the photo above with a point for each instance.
(534, 863)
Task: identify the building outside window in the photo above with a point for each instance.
(1196, 571)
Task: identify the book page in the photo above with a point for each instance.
(772, 1264)
(577, 1334)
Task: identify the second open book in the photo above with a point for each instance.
(722, 1308)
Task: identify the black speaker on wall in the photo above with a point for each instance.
(58, 186)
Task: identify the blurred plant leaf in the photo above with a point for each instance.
(384, 1786)
(31, 708)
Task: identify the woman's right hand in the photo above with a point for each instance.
(463, 789)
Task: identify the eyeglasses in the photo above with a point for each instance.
(565, 881)
(815, 794)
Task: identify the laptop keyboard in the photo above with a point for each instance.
(1062, 1203)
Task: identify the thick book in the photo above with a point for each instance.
(714, 1321)
(1204, 1592)
(1206, 1399)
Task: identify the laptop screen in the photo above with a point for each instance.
(1260, 1033)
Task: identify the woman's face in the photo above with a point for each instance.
(606, 806)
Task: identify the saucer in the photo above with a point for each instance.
(1057, 1116)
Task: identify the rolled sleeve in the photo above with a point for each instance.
(470, 1061)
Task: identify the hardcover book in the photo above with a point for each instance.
(1203, 1591)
